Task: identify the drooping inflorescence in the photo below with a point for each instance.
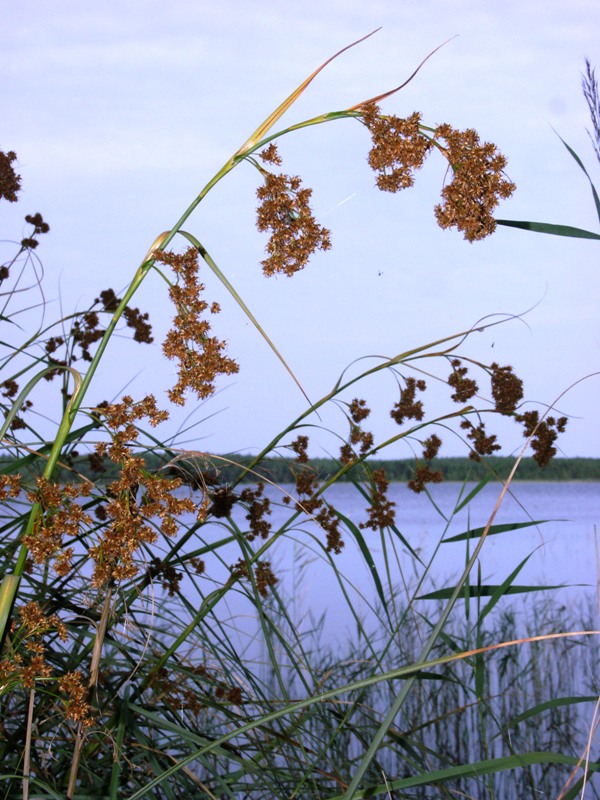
(200, 356)
(285, 212)
(400, 147)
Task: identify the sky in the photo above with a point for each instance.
(120, 112)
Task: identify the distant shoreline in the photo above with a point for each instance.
(452, 469)
(219, 469)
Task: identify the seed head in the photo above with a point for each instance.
(381, 511)
(200, 356)
(408, 407)
(483, 445)
(284, 210)
(477, 185)
(507, 388)
(543, 434)
(399, 148)
(464, 388)
(10, 182)
(424, 475)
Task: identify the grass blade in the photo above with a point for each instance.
(490, 589)
(477, 769)
(509, 526)
(546, 227)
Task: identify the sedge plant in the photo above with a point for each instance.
(122, 673)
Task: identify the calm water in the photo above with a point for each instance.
(561, 551)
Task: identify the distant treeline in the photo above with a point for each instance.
(452, 469)
(216, 469)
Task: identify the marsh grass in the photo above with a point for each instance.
(151, 646)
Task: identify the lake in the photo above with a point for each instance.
(561, 551)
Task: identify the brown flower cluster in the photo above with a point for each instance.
(399, 148)
(263, 575)
(431, 447)
(96, 463)
(270, 155)
(10, 182)
(422, 476)
(39, 226)
(29, 664)
(199, 565)
(507, 393)
(87, 329)
(307, 487)
(507, 388)
(464, 388)
(381, 511)
(329, 521)
(54, 363)
(169, 577)
(75, 700)
(53, 343)
(285, 212)
(85, 332)
(200, 356)
(358, 411)
(408, 407)
(483, 445)
(9, 390)
(223, 499)
(139, 322)
(477, 185)
(120, 418)
(259, 507)
(544, 434)
(310, 501)
(305, 478)
(136, 499)
(61, 517)
(193, 688)
(300, 447)
(109, 300)
(232, 694)
(423, 473)
(10, 486)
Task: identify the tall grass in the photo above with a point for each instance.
(150, 645)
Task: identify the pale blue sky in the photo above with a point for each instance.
(120, 113)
